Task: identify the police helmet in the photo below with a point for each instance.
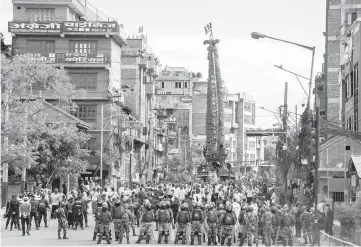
(229, 207)
(163, 204)
(250, 209)
(105, 205)
(220, 206)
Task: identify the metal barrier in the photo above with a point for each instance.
(328, 240)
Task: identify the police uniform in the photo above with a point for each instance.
(97, 211)
(126, 218)
(62, 216)
(117, 212)
(70, 210)
(212, 221)
(287, 222)
(43, 212)
(182, 219)
(162, 217)
(228, 220)
(267, 219)
(78, 212)
(305, 224)
(104, 220)
(147, 220)
(196, 225)
(251, 226)
(34, 212)
(14, 214)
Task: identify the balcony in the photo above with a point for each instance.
(69, 59)
(63, 28)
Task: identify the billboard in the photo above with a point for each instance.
(90, 27)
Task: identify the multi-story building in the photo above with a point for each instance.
(174, 95)
(340, 14)
(87, 44)
(140, 68)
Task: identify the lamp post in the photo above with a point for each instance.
(256, 35)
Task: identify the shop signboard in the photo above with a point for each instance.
(35, 27)
(91, 27)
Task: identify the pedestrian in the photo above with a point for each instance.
(94, 195)
(14, 212)
(328, 214)
(62, 216)
(105, 218)
(34, 214)
(147, 220)
(162, 217)
(24, 211)
(42, 209)
(212, 220)
(8, 214)
(54, 200)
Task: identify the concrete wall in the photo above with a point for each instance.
(19, 11)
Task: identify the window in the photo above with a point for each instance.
(44, 15)
(40, 46)
(180, 84)
(162, 84)
(176, 84)
(83, 46)
(355, 76)
(86, 112)
(185, 84)
(351, 17)
(338, 196)
(170, 112)
(84, 80)
(91, 145)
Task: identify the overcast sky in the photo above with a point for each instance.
(175, 31)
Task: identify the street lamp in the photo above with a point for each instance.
(132, 124)
(256, 35)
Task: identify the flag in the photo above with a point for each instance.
(208, 28)
(141, 29)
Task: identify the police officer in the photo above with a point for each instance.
(287, 221)
(62, 216)
(104, 220)
(14, 213)
(70, 211)
(196, 225)
(182, 220)
(228, 220)
(43, 207)
(241, 220)
(147, 222)
(97, 211)
(220, 211)
(130, 207)
(212, 220)
(275, 223)
(34, 212)
(78, 212)
(251, 226)
(162, 217)
(126, 218)
(167, 203)
(267, 219)
(117, 218)
(305, 224)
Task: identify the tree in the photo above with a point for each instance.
(34, 140)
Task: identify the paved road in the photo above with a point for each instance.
(49, 237)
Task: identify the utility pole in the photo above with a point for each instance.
(284, 120)
(166, 149)
(23, 169)
(101, 146)
(317, 162)
(130, 156)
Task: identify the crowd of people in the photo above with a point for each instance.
(242, 212)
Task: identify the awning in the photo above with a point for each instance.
(356, 160)
(140, 143)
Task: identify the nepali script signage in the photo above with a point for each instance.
(72, 58)
(88, 58)
(35, 27)
(91, 27)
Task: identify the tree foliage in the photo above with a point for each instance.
(36, 141)
(306, 144)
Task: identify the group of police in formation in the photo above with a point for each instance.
(193, 221)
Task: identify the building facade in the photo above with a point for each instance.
(88, 45)
(340, 15)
